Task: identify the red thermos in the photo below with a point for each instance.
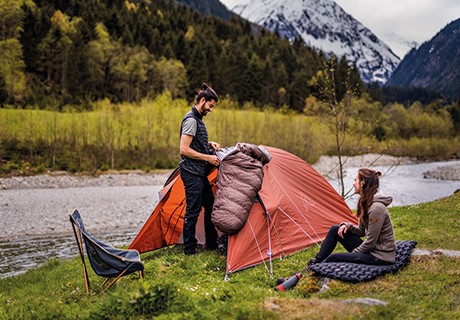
(289, 283)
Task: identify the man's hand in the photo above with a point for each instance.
(214, 145)
(342, 230)
(214, 160)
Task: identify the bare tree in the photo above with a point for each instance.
(338, 116)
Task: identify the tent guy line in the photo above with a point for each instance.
(293, 203)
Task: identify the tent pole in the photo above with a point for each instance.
(270, 253)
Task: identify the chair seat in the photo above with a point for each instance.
(106, 261)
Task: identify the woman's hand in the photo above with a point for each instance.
(342, 230)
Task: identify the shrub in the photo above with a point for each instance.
(152, 299)
(148, 299)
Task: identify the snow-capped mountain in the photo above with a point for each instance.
(398, 44)
(322, 24)
(434, 65)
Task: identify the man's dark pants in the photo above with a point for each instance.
(198, 194)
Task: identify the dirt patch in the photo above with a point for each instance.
(436, 252)
(311, 308)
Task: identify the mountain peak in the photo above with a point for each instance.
(324, 25)
(434, 65)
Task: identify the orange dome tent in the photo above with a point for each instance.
(297, 208)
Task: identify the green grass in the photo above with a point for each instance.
(193, 287)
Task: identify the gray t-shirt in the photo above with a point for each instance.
(189, 127)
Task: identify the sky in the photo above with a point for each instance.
(411, 20)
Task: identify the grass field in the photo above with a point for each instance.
(193, 287)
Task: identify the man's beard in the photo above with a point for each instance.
(204, 112)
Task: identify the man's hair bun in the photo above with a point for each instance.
(206, 92)
(204, 86)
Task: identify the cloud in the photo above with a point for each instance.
(417, 20)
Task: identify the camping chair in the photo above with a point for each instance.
(105, 260)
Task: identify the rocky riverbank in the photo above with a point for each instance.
(451, 172)
(59, 180)
(47, 181)
(328, 165)
(325, 165)
(38, 205)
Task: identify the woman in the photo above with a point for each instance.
(379, 247)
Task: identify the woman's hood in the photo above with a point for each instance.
(386, 200)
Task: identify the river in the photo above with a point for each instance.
(406, 183)
(25, 244)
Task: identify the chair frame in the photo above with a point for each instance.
(79, 237)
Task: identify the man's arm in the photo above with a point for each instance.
(185, 150)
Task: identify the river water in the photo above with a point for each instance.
(26, 250)
(406, 183)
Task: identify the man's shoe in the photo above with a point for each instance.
(223, 244)
(190, 252)
(212, 246)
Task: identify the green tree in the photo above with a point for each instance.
(3, 93)
(254, 80)
(368, 116)
(398, 121)
(55, 50)
(172, 76)
(454, 111)
(12, 69)
(11, 57)
(429, 123)
(130, 69)
(101, 53)
(11, 17)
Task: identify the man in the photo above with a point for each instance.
(197, 161)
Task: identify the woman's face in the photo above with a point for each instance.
(357, 184)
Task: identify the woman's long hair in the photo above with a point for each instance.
(368, 190)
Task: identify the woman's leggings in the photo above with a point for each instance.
(349, 241)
